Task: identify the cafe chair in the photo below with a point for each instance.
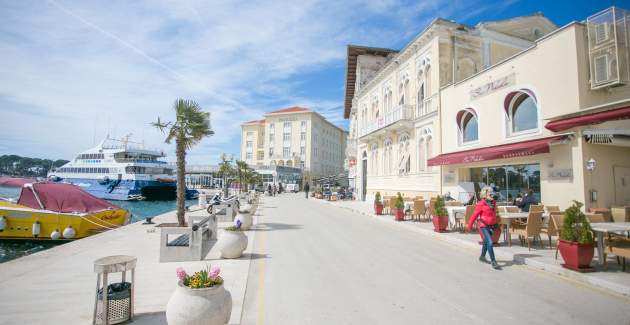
(531, 229)
(618, 246)
(558, 219)
(419, 209)
(537, 208)
(550, 229)
(595, 217)
(553, 208)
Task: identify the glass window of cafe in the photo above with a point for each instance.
(509, 181)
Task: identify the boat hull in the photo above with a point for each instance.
(125, 190)
(20, 220)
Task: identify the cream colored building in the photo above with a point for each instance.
(295, 137)
(543, 117)
(393, 98)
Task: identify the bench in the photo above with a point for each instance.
(190, 243)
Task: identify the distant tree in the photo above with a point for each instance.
(191, 125)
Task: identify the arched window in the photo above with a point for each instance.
(522, 111)
(468, 126)
(403, 91)
(404, 159)
(374, 159)
(387, 157)
(421, 154)
(429, 151)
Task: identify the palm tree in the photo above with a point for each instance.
(241, 170)
(190, 126)
(225, 171)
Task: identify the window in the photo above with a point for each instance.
(260, 155)
(271, 127)
(302, 150)
(286, 152)
(522, 112)
(468, 126)
(248, 156)
(421, 155)
(287, 125)
(250, 135)
(404, 158)
(271, 135)
(374, 159)
(286, 137)
(303, 125)
(387, 157)
(249, 144)
(303, 136)
(429, 151)
(270, 152)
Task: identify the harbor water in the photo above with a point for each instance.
(139, 210)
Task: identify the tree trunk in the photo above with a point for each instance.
(181, 182)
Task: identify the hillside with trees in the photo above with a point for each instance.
(14, 165)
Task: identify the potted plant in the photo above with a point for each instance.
(378, 204)
(399, 208)
(576, 240)
(440, 215)
(199, 299)
(233, 241)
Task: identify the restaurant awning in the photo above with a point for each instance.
(504, 151)
(593, 118)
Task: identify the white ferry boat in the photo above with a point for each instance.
(121, 170)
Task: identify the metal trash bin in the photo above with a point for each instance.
(119, 306)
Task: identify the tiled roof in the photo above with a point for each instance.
(293, 109)
(255, 122)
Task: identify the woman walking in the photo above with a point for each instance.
(486, 215)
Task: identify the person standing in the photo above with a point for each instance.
(528, 200)
(279, 188)
(306, 189)
(486, 217)
(275, 189)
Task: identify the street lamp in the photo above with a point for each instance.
(590, 166)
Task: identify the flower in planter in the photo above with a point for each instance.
(206, 278)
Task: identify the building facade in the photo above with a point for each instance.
(552, 118)
(295, 137)
(393, 98)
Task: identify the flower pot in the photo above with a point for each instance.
(496, 235)
(576, 256)
(207, 306)
(232, 244)
(378, 208)
(246, 220)
(440, 223)
(399, 214)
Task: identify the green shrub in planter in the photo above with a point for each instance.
(377, 198)
(399, 203)
(440, 210)
(576, 227)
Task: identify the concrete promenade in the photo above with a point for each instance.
(611, 279)
(323, 264)
(57, 286)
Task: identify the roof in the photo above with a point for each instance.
(294, 109)
(351, 70)
(255, 122)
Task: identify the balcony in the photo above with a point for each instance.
(426, 107)
(400, 115)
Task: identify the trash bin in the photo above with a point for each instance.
(119, 302)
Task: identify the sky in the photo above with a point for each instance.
(73, 72)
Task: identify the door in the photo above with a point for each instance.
(622, 185)
(363, 178)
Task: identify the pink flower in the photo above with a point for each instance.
(214, 272)
(181, 274)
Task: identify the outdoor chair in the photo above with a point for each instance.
(512, 209)
(557, 218)
(531, 229)
(618, 246)
(606, 212)
(553, 208)
(595, 217)
(620, 214)
(431, 211)
(419, 209)
(386, 200)
(550, 229)
(392, 205)
(536, 208)
(461, 220)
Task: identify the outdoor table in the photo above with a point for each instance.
(601, 228)
(509, 216)
(452, 211)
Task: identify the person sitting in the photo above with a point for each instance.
(448, 197)
(528, 200)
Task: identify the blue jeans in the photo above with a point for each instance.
(487, 242)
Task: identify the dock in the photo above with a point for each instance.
(57, 286)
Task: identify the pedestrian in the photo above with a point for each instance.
(280, 188)
(269, 189)
(528, 200)
(275, 189)
(486, 217)
(306, 189)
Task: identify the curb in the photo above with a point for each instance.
(558, 270)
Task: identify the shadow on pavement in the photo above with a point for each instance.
(270, 226)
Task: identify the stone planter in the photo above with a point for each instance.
(232, 244)
(245, 208)
(246, 220)
(577, 257)
(207, 306)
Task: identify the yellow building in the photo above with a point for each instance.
(393, 98)
(295, 137)
(552, 118)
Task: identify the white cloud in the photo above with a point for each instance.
(74, 71)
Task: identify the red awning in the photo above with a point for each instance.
(504, 151)
(593, 118)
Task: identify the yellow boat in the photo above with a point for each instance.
(55, 211)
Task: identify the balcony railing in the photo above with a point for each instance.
(426, 106)
(400, 113)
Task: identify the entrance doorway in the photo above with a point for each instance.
(364, 177)
(622, 185)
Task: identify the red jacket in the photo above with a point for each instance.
(486, 214)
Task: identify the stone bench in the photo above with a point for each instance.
(191, 243)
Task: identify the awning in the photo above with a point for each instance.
(611, 137)
(593, 118)
(504, 151)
